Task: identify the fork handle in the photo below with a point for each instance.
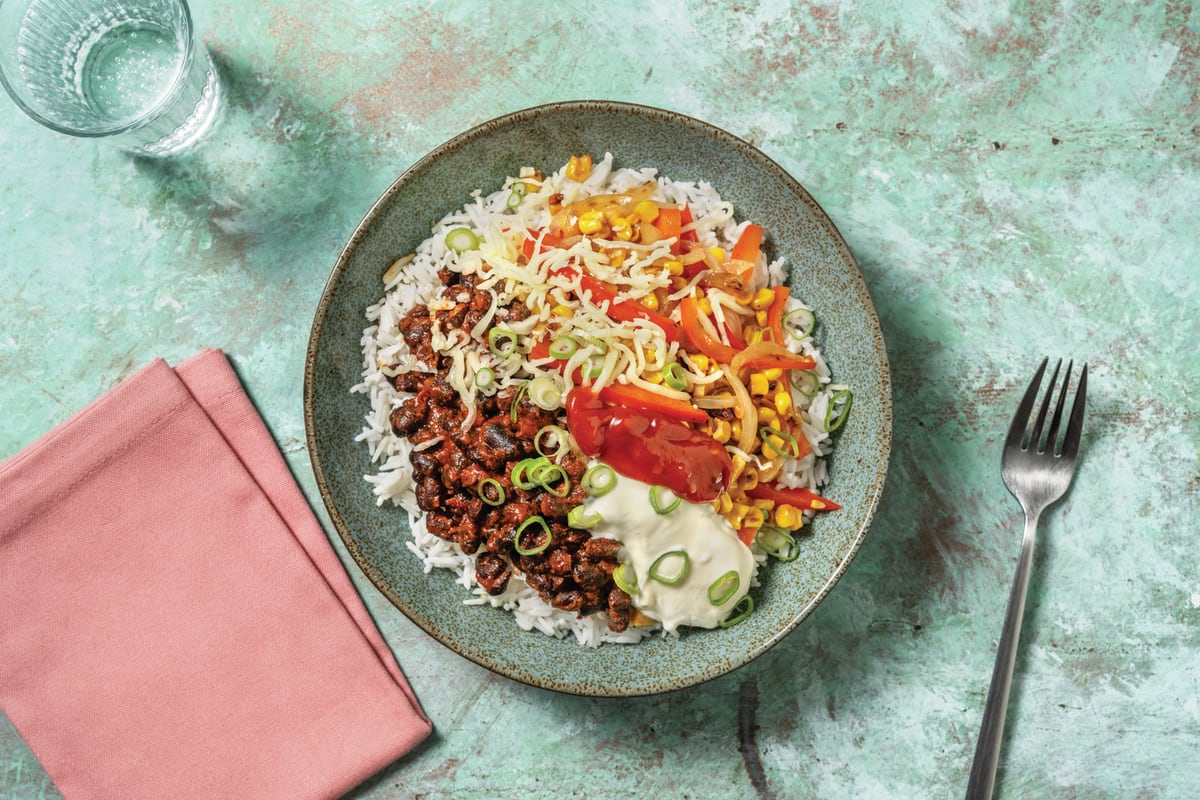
(987, 750)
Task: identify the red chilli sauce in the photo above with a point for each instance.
(649, 447)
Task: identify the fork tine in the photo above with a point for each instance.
(1016, 430)
(1052, 434)
(1035, 437)
(1070, 446)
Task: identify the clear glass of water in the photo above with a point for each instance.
(132, 72)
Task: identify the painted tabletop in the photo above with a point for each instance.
(1015, 180)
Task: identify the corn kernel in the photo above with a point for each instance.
(590, 221)
(767, 416)
(749, 480)
(624, 234)
(704, 305)
(739, 464)
(759, 385)
(726, 502)
(753, 518)
(718, 254)
(616, 257)
(562, 311)
(787, 516)
(752, 334)
(762, 300)
(720, 429)
(673, 267)
(646, 210)
(701, 362)
(783, 402)
(736, 514)
(773, 373)
(653, 377)
(761, 318)
(579, 168)
(650, 301)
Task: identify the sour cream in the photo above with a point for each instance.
(712, 548)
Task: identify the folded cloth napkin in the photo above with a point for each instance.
(173, 621)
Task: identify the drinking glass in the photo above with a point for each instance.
(130, 72)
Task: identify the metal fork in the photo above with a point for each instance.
(1037, 470)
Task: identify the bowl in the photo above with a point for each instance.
(824, 275)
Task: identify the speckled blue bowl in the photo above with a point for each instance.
(824, 274)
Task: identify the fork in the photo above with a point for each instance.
(1037, 470)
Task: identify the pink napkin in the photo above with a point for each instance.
(173, 621)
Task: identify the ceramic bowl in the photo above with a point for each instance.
(824, 274)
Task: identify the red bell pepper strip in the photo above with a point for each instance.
(746, 535)
(775, 314)
(689, 311)
(685, 219)
(632, 396)
(669, 222)
(621, 310)
(748, 244)
(530, 243)
(798, 497)
(765, 355)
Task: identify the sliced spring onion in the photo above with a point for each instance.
(592, 367)
(545, 537)
(724, 587)
(491, 491)
(791, 448)
(460, 240)
(838, 409)
(545, 393)
(521, 477)
(778, 542)
(599, 480)
(485, 378)
(675, 376)
(663, 499)
(552, 478)
(625, 578)
(517, 194)
(563, 347)
(580, 517)
(516, 402)
(799, 323)
(502, 342)
(550, 436)
(677, 558)
(742, 610)
(806, 383)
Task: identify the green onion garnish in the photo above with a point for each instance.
(545, 538)
(778, 542)
(460, 240)
(724, 587)
(663, 499)
(521, 477)
(550, 436)
(485, 377)
(625, 578)
(517, 194)
(806, 383)
(675, 376)
(791, 446)
(599, 480)
(502, 342)
(579, 517)
(516, 402)
(592, 367)
(491, 491)
(739, 613)
(551, 477)
(838, 409)
(799, 323)
(563, 347)
(545, 393)
(658, 568)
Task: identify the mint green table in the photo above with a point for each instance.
(1015, 181)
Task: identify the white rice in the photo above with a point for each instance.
(417, 282)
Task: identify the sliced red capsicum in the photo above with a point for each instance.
(765, 355)
(798, 497)
(633, 396)
(530, 244)
(621, 310)
(775, 313)
(689, 312)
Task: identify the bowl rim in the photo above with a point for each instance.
(878, 348)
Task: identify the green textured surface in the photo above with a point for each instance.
(1014, 180)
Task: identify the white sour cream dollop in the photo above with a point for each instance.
(711, 544)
